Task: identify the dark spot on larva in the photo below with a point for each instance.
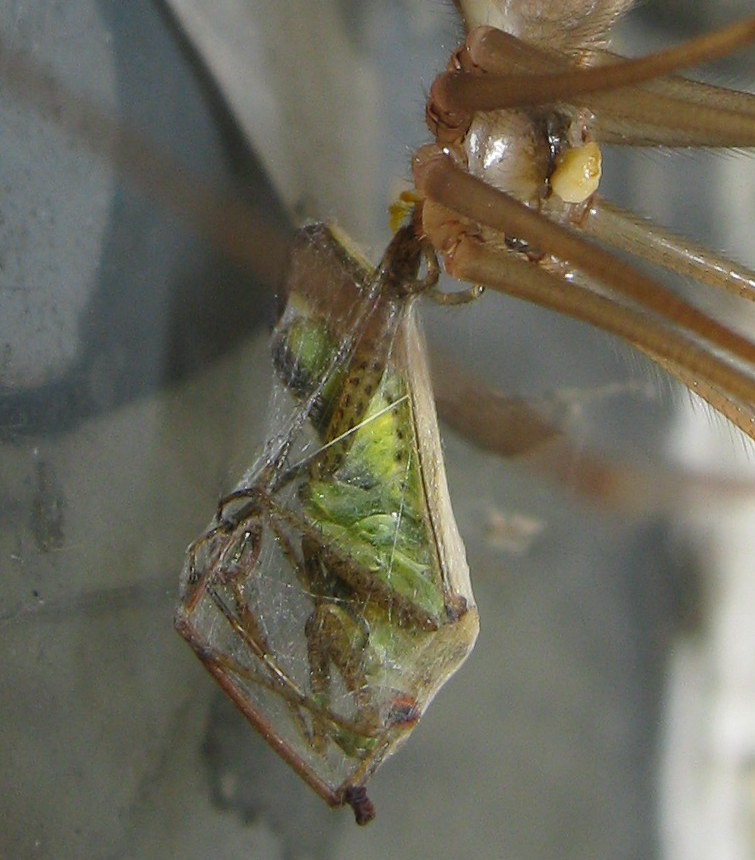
(403, 709)
(368, 389)
(347, 400)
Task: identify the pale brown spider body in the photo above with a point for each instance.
(518, 151)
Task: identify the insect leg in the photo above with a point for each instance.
(336, 636)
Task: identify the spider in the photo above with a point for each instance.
(512, 181)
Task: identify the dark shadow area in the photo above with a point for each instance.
(166, 303)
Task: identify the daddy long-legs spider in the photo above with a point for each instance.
(528, 630)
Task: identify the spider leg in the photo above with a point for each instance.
(704, 354)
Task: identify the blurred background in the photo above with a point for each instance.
(609, 708)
